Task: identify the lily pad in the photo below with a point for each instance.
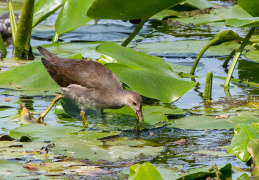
(211, 122)
(39, 132)
(147, 75)
(134, 9)
(187, 48)
(29, 78)
(87, 146)
(244, 134)
(144, 171)
(11, 170)
(253, 55)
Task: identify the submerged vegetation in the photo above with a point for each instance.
(172, 142)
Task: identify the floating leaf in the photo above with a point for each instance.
(244, 134)
(38, 132)
(144, 171)
(87, 146)
(31, 78)
(210, 122)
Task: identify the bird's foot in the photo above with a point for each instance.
(82, 115)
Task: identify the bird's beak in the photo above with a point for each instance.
(140, 115)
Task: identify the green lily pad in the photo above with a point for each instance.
(38, 132)
(210, 122)
(187, 48)
(253, 55)
(243, 22)
(87, 146)
(219, 14)
(29, 78)
(86, 49)
(144, 171)
(244, 134)
(134, 9)
(11, 170)
(147, 75)
(252, 148)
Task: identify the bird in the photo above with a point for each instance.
(88, 84)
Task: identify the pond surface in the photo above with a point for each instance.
(177, 149)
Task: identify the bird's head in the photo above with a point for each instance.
(134, 100)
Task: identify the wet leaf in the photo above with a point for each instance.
(95, 149)
(210, 122)
(144, 171)
(219, 14)
(243, 22)
(244, 133)
(31, 78)
(187, 48)
(38, 132)
(117, 9)
(150, 76)
(11, 170)
(86, 49)
(253, 149)
(253, 55)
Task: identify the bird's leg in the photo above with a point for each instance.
(82, 115)
(45, 112)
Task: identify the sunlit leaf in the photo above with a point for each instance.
(243, 134)
(144, 171)
(72, 15)
(123, 9)
(149, 76)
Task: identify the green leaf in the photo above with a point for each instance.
(38, 132)
(86, 49)
(72, 15)
(243, 22)
(44, 8)
(252, 6)
(253, 55)
(31, 78)
(144, 171)
(123, 9)
(253, 149)
(12, 170)
(149, 76)
(87, 145)
(210, 122)
(219, 14)
(243, 135)
(200, 4)
(181, 48)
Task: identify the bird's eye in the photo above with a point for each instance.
(134, 103)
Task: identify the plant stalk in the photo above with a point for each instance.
(208, 86)
(134, 33)
(238, 53)
(204, 49)
(225, 64)
(23, 35)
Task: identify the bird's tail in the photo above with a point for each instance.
(47, 54)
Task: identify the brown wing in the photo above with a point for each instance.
(87, 73)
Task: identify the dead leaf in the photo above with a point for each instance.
(31, 167)
(222, 117)
(25, 114)
(182, 142)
